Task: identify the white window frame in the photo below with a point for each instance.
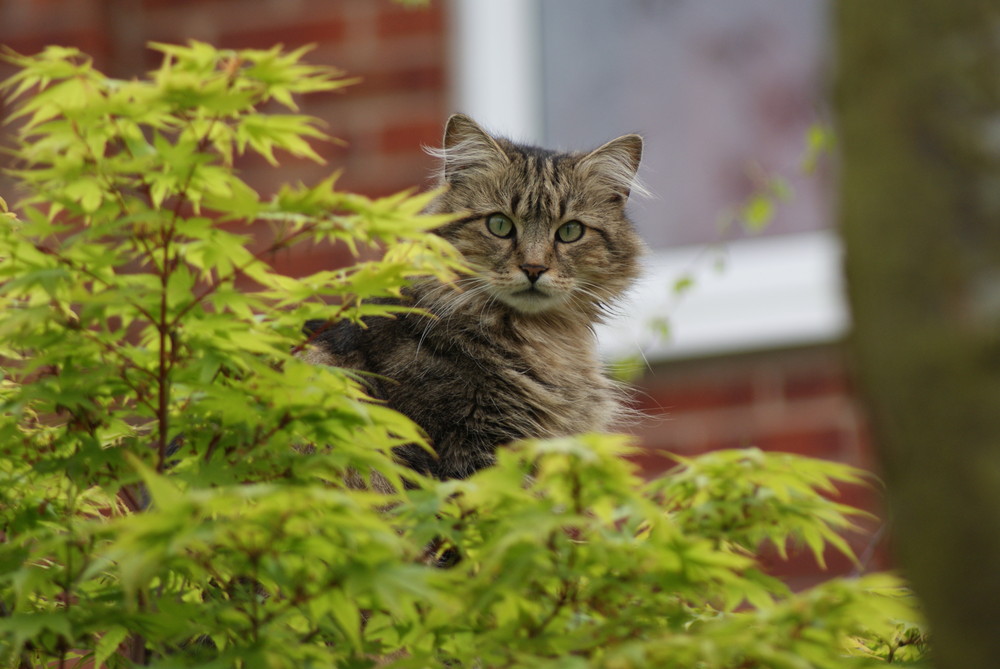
(496, 78)
(773, 292)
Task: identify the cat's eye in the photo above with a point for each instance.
(570, 232)
(500, 225)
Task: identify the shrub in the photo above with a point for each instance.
(172, 476)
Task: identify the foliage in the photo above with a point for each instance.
(172, 476)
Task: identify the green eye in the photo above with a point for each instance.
(500, 225)
(570, 232)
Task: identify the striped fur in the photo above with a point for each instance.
(503, 357)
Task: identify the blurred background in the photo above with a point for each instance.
(727, 94)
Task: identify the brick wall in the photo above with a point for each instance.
(798, 401)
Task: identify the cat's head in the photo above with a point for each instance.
(546, 232)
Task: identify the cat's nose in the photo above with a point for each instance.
(534, 272)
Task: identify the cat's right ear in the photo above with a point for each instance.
(467, 146)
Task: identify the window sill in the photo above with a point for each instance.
(771, 292)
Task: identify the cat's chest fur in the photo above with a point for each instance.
(476, 385)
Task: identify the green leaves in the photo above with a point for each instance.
(108, 644)
(758, 211)
(820, 140)
(747, 497)
(264, 133)
(174, 479)
(565, 552)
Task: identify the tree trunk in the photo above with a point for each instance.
(918, 105)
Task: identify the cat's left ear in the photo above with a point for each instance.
(615, 165)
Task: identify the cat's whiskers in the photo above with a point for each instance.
(458, 304)
(488, 303)
(436, 297)
(587, 302)
(426, 300)
(440, 308)
(605, 304)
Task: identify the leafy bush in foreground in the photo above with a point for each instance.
(172, 477)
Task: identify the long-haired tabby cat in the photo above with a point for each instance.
(510, 351)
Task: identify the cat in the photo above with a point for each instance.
(509, 351)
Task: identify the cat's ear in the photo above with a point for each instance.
(615, 164)
(466, 145)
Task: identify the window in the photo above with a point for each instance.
(724, 93)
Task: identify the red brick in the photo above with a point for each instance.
(818, 443)
(290, 34)
(696, 397)
(409, 79)
(409, 136)
(170, 3)
(817, 384)
(394, 21)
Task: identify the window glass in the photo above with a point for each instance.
(724, 93)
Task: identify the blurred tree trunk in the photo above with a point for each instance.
(918, 103)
